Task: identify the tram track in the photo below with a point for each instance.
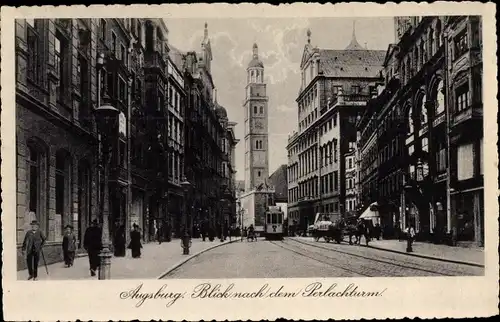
(321, 258)
(359, 266)
(442, 269)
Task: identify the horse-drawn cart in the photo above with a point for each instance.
(326, 228)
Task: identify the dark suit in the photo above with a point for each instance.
(32, 244)
(92, 243)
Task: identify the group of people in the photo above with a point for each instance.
(34, 241)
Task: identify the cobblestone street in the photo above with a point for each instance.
(301, 257)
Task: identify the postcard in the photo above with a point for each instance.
(249, 161)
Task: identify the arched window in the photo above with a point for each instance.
(255, 110)
(411, 126)
(440, 98)
(36, 185)
(262, 110)
(438, 33)
(257, 144)
(84, 198)
(149, 37)
(423, 111)
(63, 190)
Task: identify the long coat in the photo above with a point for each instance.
(69, 242)
(92, 239)
(33, 241)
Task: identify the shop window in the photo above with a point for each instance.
(465, 162)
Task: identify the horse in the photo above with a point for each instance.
(357, 230)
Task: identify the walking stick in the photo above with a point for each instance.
(44, 262)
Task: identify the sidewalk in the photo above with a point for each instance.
(155, 261)
(470, 256)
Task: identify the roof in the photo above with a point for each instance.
(176, 56)
(255, 63)
(220, 111)
(279, 180)
(351, 63)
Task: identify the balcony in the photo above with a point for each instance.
(439, 120)
(474, 111)
(154, 60)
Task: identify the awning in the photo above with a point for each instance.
(368, 213)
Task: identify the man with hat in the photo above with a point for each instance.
(32, 244)
(92, 243)
(69, 246)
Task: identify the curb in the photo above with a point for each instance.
(188, 258)
(441, 259)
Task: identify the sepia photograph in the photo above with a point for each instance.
(220, 148)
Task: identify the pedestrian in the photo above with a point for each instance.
(226, 230)
(119, 241)
(203, 230)
(69, 246)
(410, 234)
(32, 245)
(135, 241)
(92, 243)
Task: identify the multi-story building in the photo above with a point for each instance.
(65, 68)
(204, 145)
(334, 90)
(175, 132)
(257, 190)
(230, 170)
(350, 179)
(56, 72)
(462, 40)
(433, 73)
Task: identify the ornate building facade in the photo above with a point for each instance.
(208, 143)
(335, 87)
(65, 69)
(429, 173)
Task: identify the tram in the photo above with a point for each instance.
(273, 228)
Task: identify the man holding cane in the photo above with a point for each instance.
(32, 244)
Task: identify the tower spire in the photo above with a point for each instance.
(206, 31)
(354, 45)
(309, 36)
(255, 51)
(215, 95)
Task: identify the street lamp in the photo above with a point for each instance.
(106, 117)
(186, 239)
(240, 212)
(223, 187)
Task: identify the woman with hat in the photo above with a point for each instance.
(32, 244)
(69, 246)
(135, 241)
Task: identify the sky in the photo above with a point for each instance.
(281, 43)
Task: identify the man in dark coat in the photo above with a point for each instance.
(119, 241)
(92, 243)
(32, 244)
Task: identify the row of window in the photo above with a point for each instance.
(38, 194)
(259, 145)
(260, 110)
(330, 182)
(329, 153)
(350, 204)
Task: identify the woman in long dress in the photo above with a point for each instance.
(135, 242)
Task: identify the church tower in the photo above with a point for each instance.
(256, 126)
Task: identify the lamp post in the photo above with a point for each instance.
(223, 187)
(240, 213)
(106, 117)
(186, 238)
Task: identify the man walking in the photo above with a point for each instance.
(32, 244)
(93, 244)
